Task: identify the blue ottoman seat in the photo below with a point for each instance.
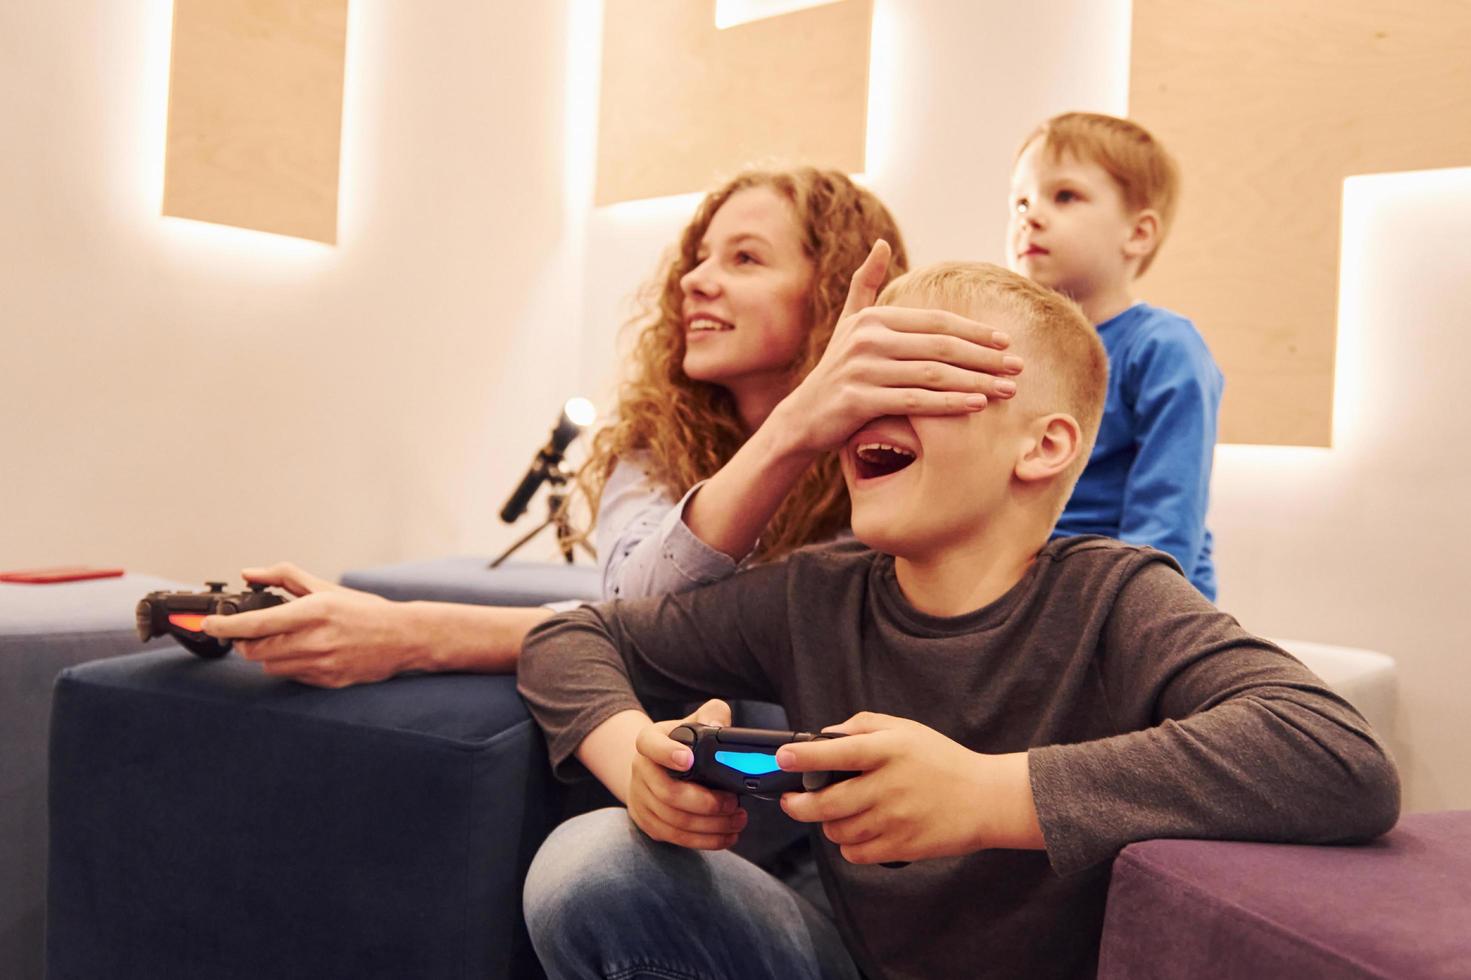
(208, 821)
(467, 579)
(43, 629)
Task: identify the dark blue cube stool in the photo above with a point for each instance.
(44, 629)
(208, 821)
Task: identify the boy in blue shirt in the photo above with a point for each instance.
(1092, 197)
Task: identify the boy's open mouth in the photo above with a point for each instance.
(875, 459)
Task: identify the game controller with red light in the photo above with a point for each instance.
(181, 614)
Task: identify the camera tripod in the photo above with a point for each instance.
(556, 479)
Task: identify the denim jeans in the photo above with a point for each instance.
(604, 902)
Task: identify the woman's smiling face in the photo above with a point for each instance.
(746, 300)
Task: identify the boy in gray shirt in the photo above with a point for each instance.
(1017, 710)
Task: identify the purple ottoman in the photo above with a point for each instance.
(1397, 907)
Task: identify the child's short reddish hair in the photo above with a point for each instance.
(1138, 163)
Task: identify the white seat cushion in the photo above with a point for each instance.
(1364, 678)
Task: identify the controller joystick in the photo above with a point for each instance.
(181, 614)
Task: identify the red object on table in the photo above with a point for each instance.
(46, 576)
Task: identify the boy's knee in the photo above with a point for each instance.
(601, 898)
(598, 893)
(581, 856)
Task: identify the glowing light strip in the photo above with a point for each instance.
(884, 45)
(580, 126)
(154, 120)
(1356, 371)
(733, 13)
(1120, 38)
(193, 622)
(750, 763)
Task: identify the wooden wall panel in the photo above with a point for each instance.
(1268, 106)
(684, 104)
(255, 114)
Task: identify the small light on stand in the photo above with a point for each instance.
(546, 467)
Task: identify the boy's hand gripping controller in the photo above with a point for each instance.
(743, 761)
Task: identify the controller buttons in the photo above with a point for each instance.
(257, 587)
(216, 586)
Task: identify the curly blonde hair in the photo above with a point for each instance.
(687, 429)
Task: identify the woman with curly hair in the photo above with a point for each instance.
(758, 359)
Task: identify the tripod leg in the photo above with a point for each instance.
(565, 533)
(564, 541)
(524, 538)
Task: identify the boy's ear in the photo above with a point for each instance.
(1143, 235)
(1053, 444)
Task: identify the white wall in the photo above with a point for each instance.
(1364, 544)
(182, 399)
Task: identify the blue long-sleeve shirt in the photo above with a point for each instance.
(1148, 480)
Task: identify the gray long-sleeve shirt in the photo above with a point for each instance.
(1146, 711)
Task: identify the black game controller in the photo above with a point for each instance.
(179, 614)
(743, 760)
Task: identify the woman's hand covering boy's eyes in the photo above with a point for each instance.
(668, 809)
(891, 360)
(918, 794)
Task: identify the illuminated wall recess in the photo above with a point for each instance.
(733, 13)
(255, 114)
(684, 104)
(1269, 108)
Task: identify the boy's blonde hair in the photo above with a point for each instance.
(1067, 366)
(1138, 163)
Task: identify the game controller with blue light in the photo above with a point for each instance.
(743, 760)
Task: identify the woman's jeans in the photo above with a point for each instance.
(604, 902)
